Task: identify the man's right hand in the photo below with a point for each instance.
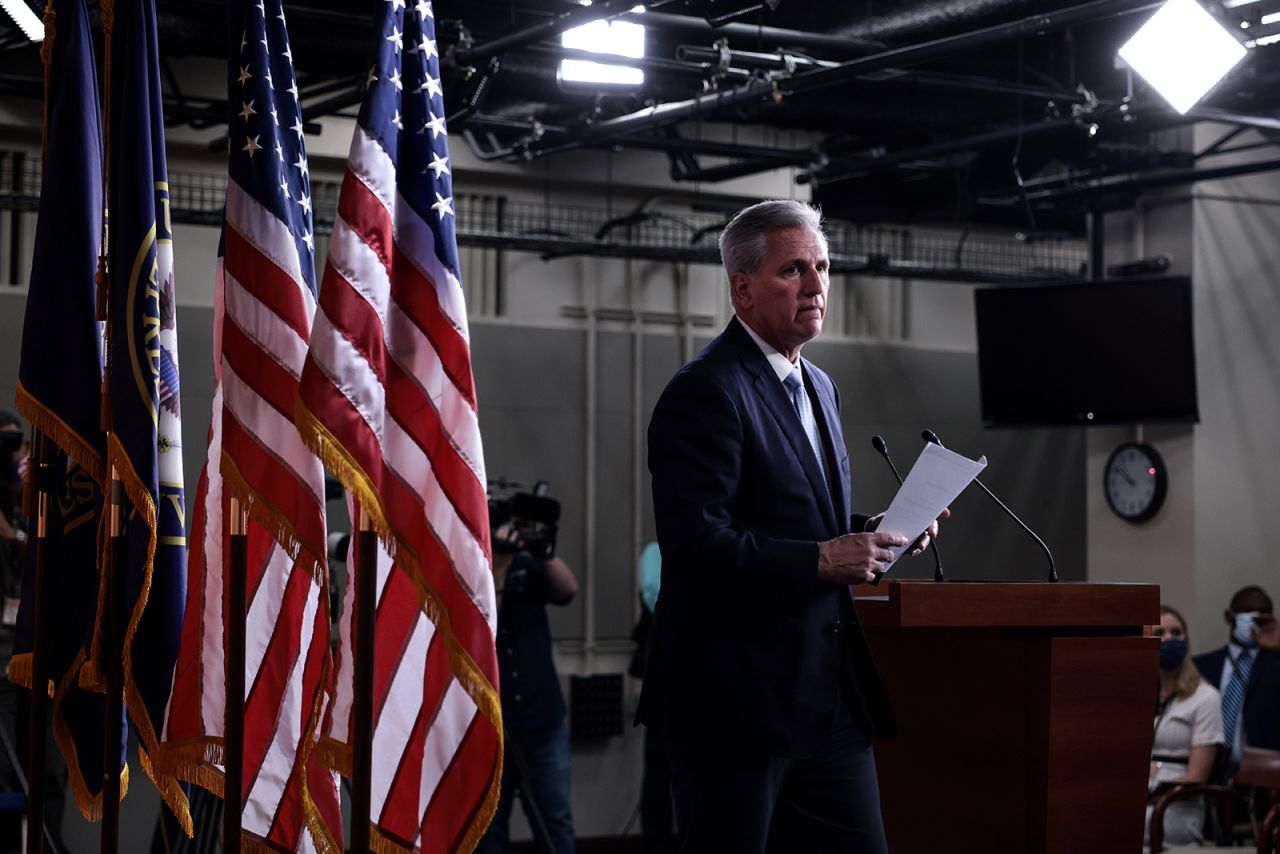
(856, 558)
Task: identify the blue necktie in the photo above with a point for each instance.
(800, 400)
(1233, 696)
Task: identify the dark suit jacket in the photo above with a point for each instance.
(748, 646)
(1261, 695)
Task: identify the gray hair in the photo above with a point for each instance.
(742, 243)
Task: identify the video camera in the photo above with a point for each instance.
(532, 514)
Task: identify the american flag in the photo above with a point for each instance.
(387, 399)
(265, 302)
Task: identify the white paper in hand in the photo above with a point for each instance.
(935, 480)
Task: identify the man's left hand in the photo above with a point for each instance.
(930, 534)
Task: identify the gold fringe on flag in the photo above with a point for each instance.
(274, 521)
(46, 59)
(92, 675)
(461, 665)
(90, 805)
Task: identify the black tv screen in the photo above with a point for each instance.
(1100, 352)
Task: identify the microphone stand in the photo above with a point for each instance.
(930, 436)
(882, 448)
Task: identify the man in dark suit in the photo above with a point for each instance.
(1248, 677)
(759, 673)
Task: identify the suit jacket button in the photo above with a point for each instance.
(834, 628)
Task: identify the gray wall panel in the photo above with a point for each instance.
(531, 385)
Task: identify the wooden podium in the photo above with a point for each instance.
(1024, 714)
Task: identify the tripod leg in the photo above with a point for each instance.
(515, 755)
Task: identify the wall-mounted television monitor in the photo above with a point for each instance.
(1117, 351)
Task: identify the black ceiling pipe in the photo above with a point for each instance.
(778, 156)
(323, 87)
(728, 171)
(484, 120)
(842, 170)
(980, 84)
(749, 58)
(1168, 179)
(296, 12)
(1206, 113)
(781, 62)
(754, 34)
(905, 21)
(670, 144)
(818, 79)
(354, 95)
(661, 116)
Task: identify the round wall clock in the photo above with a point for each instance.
(1135, 481)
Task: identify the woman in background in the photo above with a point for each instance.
(1188, 731)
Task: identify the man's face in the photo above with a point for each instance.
(786, 299)
(1248, 602)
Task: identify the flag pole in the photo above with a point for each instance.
(113, 620)
(233, 726)
(118, 537)
(39, 652)
(366, 581)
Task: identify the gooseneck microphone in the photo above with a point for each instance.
(930, 436)
(878, 443)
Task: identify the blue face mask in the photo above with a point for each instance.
(1173, 651)
(1243, 631)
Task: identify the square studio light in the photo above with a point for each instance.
(1182, 52)
(29, 22)
(615, 38)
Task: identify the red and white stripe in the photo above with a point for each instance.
(429, 740)
(388, 379)
(263, 315)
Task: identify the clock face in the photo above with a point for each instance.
(1135, 481)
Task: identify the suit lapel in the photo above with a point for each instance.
(775, 398)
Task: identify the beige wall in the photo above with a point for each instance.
(1215, 533)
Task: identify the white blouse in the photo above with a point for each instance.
(1185, 723)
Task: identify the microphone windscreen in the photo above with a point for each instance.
(878, 443)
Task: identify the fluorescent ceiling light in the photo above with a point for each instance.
(1265, 40)
(1269, 19)
(616, 38)
(1182, 52)
(32, 27)
(1233, 4)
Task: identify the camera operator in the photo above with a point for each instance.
(527, 576)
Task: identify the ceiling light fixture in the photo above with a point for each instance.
(31, 25)
(1182, 52)
(615, 38)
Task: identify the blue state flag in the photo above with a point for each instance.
(145, 440)
(58, 391)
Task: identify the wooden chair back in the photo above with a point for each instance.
(1259, 768)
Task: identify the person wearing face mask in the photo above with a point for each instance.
(1188, 731)
(1247, 676)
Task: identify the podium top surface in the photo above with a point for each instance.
(926, 604)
